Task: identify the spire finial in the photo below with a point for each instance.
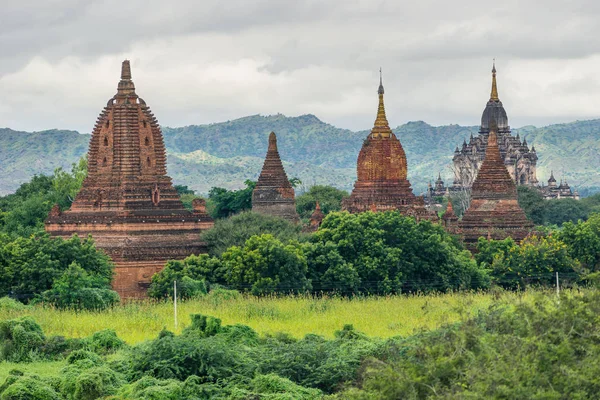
(494, 94)
(126, 71)
(382, 127)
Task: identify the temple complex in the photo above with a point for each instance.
(382, 182)
(127, 202)
(494, 211)
(520, 161)
(273, 194)
(561, 191)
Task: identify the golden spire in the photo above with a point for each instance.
(494, 95)
(382, 127)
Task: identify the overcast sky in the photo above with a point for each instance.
(203, 61)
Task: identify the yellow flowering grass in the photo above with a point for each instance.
(297, 315)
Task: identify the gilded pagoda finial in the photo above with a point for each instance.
(382, 127)
(494, 94)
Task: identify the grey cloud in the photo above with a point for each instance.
(204, 61)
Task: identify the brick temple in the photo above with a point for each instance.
(382, 182)
(273, 194)
(494, 211)
(127, 202)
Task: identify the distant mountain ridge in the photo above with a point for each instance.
(226, 154)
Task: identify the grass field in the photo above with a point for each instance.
(375, 316)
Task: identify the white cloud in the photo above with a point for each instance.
(201, 62)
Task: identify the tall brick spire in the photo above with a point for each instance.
(127, 202)
(494, 208)
(273, 194)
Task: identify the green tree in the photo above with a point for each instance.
(23, 213)
(265, 265)
(533, 203)
(534, 262)
(31, 265)
(329, 198)
(583, 241)
(563, 210)
(389, 253)
(76, 289)
(224, 203)
(235, 230)
(191, 274)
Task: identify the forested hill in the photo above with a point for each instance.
(226, 154)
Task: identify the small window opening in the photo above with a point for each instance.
(147, 141)
(106, 141)
(104, 162)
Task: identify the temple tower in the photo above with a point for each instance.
(127, 202)
(520, 161)
(382, 182)
(273, 194)
(494, 210)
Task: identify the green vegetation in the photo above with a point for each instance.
(329, 198)
(367, 253)
(225, 203)
(229, 153)
(235, 230)
(24, 212)
(530, 345)
(555, 211)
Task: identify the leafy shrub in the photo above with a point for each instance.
(21, 387)
(32, 265)
(77, 290)
(191, 275)
(265, 265)
(534, 262)
(235, 230)
(528, 351)
(21, 339)
(386, 252)
(219, 295)
(85, 381)
(8, 304)
(104, 342)
(274, 387)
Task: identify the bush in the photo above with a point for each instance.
(381, 253)
(104, 342)
(191, 275)
(21, 339)
(236, 230)
(265, 265)
(77, 290)
(329, 198)
(527, 351)
(534, 262)
(30, 266)
(22, 387)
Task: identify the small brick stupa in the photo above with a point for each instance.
(382, 182)
(273, 194)
(494, 211)
(127, 202)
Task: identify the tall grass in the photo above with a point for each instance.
(296, 315)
